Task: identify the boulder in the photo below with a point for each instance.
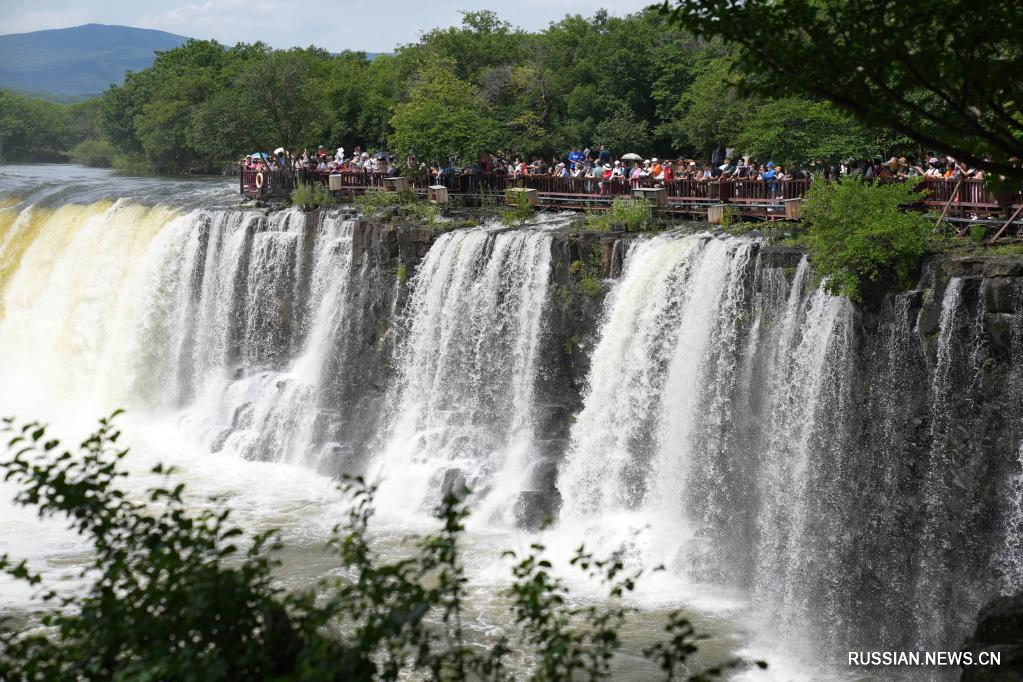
(533, 508)
(1000, 294)
(217, 444)
(453, 483)
(999, 629)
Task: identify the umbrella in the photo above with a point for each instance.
(632, 157)
(381, 155)
(279, 150)
(260, 155)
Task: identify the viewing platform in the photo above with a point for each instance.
(958, 201)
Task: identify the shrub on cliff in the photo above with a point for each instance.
(310, 195)
(631, 215)
(179, 595)
(861, 241)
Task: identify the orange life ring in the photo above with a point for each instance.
(259, 180)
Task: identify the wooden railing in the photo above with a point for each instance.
(965, 198)
(272, 183)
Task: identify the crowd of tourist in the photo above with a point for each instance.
(903, 167)
(320, 161)
(600, 165)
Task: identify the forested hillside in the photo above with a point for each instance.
(68, 63)
(633, 84)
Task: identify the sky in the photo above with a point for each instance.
(367, 25)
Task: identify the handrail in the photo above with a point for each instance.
(962, 197)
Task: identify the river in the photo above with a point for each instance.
(724, 428)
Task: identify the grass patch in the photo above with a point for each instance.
(519, 211)
(630, 215)
(977, 233)
(407, 203)
(592, 287)
(310, 195)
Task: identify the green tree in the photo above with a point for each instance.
(945, 74)
(623, 130)
(862, 243)
(280, 97)
(31, 129)
(483, 41)
(443, 117)
(793, 130)
(94, 152)
(711, 110)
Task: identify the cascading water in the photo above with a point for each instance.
(1011, 557)
(733, 408)
(852, 475)
(232, 318)
(462, 411)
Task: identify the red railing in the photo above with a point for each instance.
(267, 183)
(967, 197)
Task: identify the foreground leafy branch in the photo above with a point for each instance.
(175, 594)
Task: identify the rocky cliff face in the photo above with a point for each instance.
(927, 414)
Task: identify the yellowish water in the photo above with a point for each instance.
(70, 288)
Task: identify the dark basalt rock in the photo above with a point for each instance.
(999, 629)
(533, 508)
(1000, 294)
(453, 483)
(242, 417)
(218, 442)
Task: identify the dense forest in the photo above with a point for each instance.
(636, 83)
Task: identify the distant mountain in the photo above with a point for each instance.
(67, 63)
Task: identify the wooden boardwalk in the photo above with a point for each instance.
(963, 202)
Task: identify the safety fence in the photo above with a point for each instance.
(956, 199)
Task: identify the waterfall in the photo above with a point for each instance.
(231, 318)
(1011, 558)
(71, 292)
(738, 410)
(851, 474)
(462, 409)
(659, 434)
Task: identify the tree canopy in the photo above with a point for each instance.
(943, 73)
(638, 83)
(443, 116)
